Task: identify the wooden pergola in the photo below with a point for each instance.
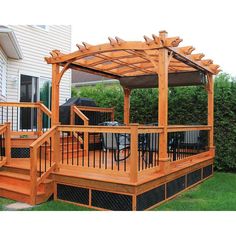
(159, 56)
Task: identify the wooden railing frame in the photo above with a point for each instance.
(5, 129)
(35, 181)
(41, 109)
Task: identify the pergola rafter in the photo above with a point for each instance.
(119, 53)
(118, 59)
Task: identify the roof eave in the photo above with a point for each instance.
(9, 43)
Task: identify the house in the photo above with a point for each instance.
(24, 75)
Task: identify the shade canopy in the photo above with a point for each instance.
(174, 80)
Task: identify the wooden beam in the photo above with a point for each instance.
(126, 105)
(211, 109)
(134, 153)
(55, 94)
(8, 142)
(163, 103)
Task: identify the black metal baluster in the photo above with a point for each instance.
(17, 117)
(62, 147)
(67, 148)
(100, 150)
(94, 150)
(77, 153)
(83, 150)
(118, 155)
(89, 149)
(40, 159)
(12, 123)
(72, 142)
(45, 157)
(125, 153)
(112, 151)
(50, 160)
(106, 154)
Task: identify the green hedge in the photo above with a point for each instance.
(187, 105)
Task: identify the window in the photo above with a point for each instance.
(3, 77)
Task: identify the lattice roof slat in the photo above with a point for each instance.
(121, 58)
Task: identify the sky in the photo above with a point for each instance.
(205, 24)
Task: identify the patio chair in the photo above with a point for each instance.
(119, 144)
(148, 145)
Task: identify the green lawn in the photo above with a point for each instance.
(215, 194)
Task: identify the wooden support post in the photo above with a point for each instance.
(33, 175)
(39, 120)
(163, 104)
(8, 142)
(126, 105)
(210, 92)
(134, 153)
(55, 94)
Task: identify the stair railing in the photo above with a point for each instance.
(44, 157)
(5, 143)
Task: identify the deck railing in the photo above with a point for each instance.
(119, 150)
(26, 118)
(187, 141)
(91, 115)
(5, 143)
(95, 147)
(43, 154)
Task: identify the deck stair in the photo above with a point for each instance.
(15, 183)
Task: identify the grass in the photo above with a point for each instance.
(215, 194)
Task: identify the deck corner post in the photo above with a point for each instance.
(8, 141)
(134, 153)
(163, 103)
(55, 93)
(210, 95)
(33, 175)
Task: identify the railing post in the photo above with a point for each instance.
(33, 175)
(134, 153)
(8, 142)
(39, 120)
(56, 148)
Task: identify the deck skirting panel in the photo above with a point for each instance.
(100, 198)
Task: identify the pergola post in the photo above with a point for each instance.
(210, 92)
(126, 105)
(55, 94)
(163, 103)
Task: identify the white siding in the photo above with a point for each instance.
(35, 44)
(3, 61)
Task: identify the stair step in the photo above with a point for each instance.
(15, 175)
(17, 189)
